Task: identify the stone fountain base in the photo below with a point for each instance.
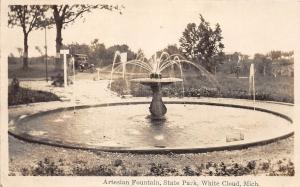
(157, 107)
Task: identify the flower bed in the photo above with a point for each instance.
(50, 167)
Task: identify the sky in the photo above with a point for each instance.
(247, 26)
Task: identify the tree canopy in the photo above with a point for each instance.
(28, 17)
(63, 15)
(97, 52)
(202, 44)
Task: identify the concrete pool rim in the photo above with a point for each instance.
(151, 150)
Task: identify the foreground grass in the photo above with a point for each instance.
(33, 159)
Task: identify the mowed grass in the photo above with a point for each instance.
(280, 88)
(36, 70)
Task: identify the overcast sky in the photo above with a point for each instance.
(248, 26)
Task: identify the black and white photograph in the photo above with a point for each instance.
(149, 93)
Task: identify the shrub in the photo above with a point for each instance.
(120, 86)
(188, 171)
(161, 170)
(25, 96)
(100, 170)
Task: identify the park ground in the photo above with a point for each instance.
(35, 159)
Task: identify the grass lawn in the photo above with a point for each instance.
(274, 88)
(36, 70)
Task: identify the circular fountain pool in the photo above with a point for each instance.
(128, 127)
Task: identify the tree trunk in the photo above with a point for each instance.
(58, 40)
(25, 54)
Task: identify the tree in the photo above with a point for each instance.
(28, 17)
(203, 44)
(275, 55)
(172, 49)
(97, 52)
(110, 52)
(64, 15)
(263, 63)
(76, 48)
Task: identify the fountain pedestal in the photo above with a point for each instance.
(157, 108)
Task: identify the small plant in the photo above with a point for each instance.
(101, 170)
(188, 171)
(160, 170)
(57, 80)
(251, 165)
(117, 162)
(265, 166)
(44, 167)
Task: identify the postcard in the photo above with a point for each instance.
(150, 93)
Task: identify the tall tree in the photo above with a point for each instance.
(202, 44)
(28, 17)
(64, 15)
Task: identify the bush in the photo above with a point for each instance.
(120, 86)
(161, 170)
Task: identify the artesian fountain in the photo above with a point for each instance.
(157, 108)
(155, 66)
(190, 125)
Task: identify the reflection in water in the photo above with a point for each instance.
(159, 137)
(156, 122)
